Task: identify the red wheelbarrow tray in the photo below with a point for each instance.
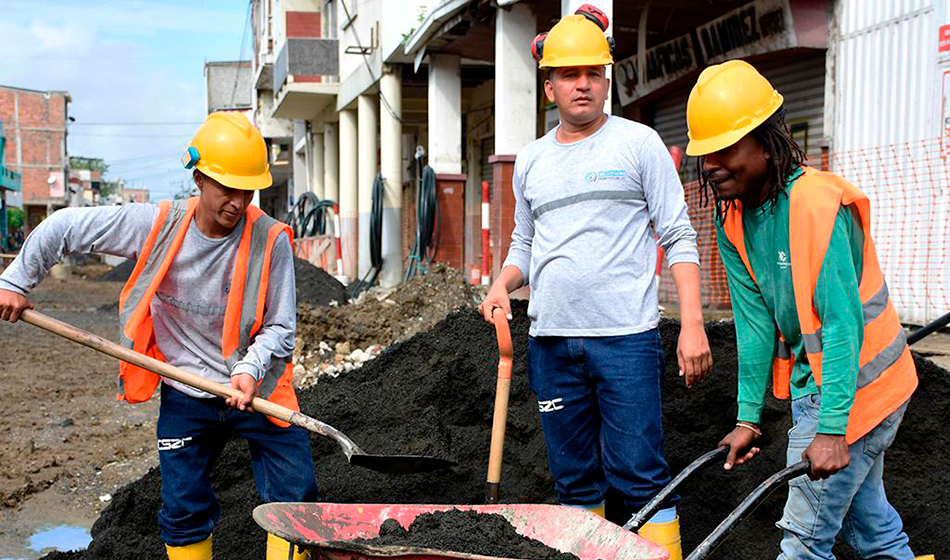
(329, 529)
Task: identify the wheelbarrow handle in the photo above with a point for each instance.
(500, 416)
(925, 330)
(748, 505)
(654, 505)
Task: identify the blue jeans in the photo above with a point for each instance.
(600, 410)
(192, 433)
(851, 502)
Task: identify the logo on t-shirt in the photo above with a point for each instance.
(783, 260)
(609, 175)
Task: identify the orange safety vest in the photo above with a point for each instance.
(243, 315)
(886, 376)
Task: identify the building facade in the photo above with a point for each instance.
(35, 131)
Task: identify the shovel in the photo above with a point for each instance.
(500, 418)
(394, 464)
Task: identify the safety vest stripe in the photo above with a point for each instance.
(884, 359)
(252, 282)
(169, 230)
(782, 350)
(585, 197)
(876, 305)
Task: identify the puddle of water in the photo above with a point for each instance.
(62, 538)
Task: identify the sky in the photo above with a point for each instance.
(134, 70)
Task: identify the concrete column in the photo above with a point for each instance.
(516, 98)
(516, 92)
(331, 161)
(607, 6)
(390, 115)
(349, 210)
(445, 113)
(368, 147)
(316, 162)
(301, 167)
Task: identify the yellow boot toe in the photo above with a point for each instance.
(195, 551)
(666, 535)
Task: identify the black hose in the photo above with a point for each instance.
(375, 242)
(426, 244)
(308, 217)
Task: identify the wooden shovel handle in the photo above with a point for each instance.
(502, 389)
(166, 370)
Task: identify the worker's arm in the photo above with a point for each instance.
(275, 341)
(675, 234)
(114, 230)
(755, 345)
(515, 270)
(838, 304)
(692, 352)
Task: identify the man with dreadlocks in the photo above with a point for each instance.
(811, 311)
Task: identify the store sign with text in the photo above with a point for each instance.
(758, 27)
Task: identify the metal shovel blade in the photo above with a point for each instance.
(399, 464)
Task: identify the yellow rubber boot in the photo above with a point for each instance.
(927, 557)
(666, 535)
(599, 511)
(194, 551)
(279, 549)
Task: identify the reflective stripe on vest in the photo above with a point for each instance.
(886, 373)
(245, 306)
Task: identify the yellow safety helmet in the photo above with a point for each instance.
(728, 101)
(230, 150)
(576, 40)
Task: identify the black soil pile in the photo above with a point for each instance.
(433, 394)
(118, 273)
(315, 287)
(468, 532)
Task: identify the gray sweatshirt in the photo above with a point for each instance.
(188, 309)
(582, 236)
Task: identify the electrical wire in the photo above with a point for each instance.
(427, 208)
(247, 24)
(375, 242)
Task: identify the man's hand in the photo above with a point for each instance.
(828, 454)
(12, 305)
(245, 383)
(693, 354)
(739, 442)
(497, 297)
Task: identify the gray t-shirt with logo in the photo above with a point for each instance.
(583, 236)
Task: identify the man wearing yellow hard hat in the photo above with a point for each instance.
(586, 194)
(812, 314)
(212, 292)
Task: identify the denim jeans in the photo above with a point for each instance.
(600, 411)
(851, 502)
(191, 435)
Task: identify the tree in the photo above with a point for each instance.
(15, 218)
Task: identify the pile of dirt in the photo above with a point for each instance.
(330, 341)
(468, 532)
(118, 273)
(433, 394)
(315, 287)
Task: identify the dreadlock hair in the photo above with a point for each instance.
(787, 156)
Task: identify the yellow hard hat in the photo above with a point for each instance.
(728, 101)
(230, 150)
(574, 41)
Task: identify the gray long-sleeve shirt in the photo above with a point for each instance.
(188, 309)
(582, 236)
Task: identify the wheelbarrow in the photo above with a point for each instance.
(341, 531)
